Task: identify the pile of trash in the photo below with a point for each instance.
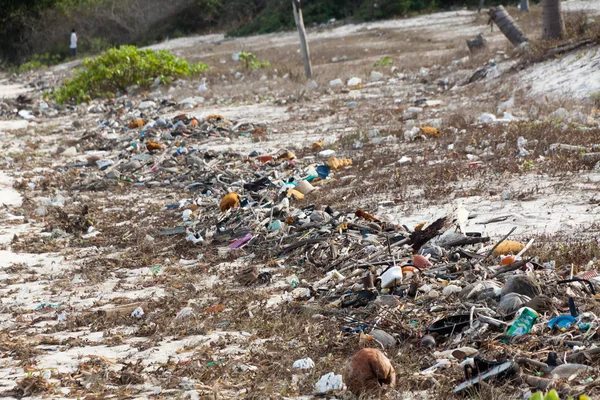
(476, 304)
(452, 289)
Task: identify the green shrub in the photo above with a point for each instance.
(384, 62)
(251, 63)
(117, 69)
(553, 395)
(39, 61)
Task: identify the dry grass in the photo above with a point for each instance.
(276, 336)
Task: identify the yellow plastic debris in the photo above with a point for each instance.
(342, 227)
(431, 131)
(336, 163)
(287, 155)
(296, 194)
(317, 145)
(508, 247)
(214, 116)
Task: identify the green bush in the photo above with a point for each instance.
(117, 69)
(384, 62)
(553, 395)
(40, 61)
(251, 63)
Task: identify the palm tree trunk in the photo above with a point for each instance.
(507, 25)
(552, 21)
(303, 42)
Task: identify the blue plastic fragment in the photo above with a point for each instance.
(323, 171)
(562, 322)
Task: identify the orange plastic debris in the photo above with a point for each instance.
(259, 131)
(180, 117)
(431, 131)
(231, 200)
(215, 309)
(137, 123)
(317, 145)
(194, 122)
(265, 159)
(362, 214)
(505, 260)
(153, 146)
(420, 226)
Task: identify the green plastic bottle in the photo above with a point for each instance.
(523, 323)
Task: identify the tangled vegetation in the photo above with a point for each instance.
(116, 70)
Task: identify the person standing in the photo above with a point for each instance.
(73, 44)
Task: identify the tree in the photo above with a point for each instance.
(507, 25)
(525, 5)
(552, 21)
(13, 29)
(303, 42)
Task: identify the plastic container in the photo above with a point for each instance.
(391, 277)
(562, 322)
(523, 322)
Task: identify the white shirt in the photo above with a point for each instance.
(73, 40)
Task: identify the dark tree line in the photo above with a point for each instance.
(30, 27)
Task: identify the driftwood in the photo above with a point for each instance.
(529, 361)
(301, 243)
(466, 241)
(555, 51)
(581, 356)
(507, 26)
(510, 267)
(537, 383)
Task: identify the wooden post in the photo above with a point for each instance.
(481, 4)
(303, 43)
(552, 21)
(507, 26)
(525, 5)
